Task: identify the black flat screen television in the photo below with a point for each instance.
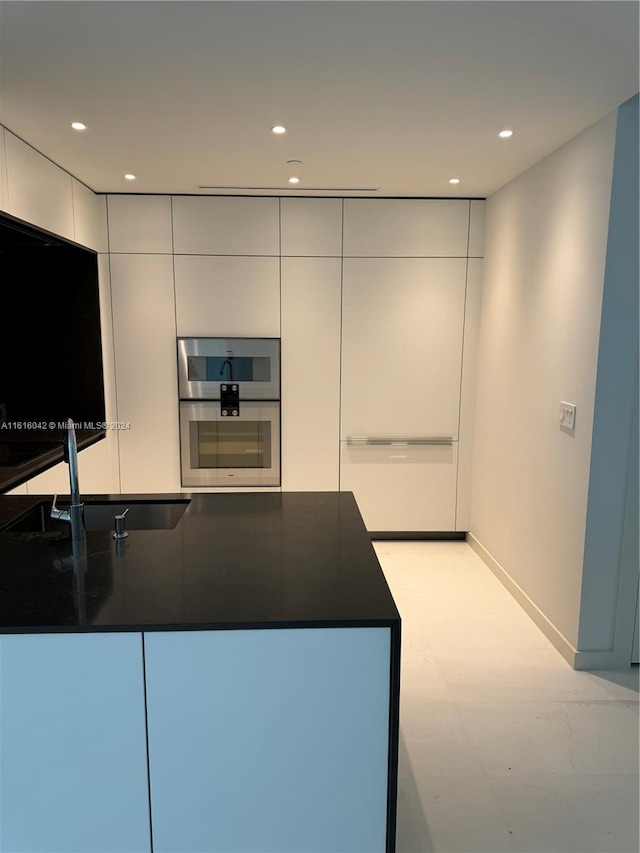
(50, 340)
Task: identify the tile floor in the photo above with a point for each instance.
(503, 746)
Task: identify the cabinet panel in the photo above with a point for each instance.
(226, 225)
(220, 296)
(19, 490)
(402, 346)
(54, 481)
(405, 228)
(4, 192)
(146, 372)
(310, 373)
(74, 764)
(39, 191)
(271, 740)
(112, 482)
(140, 224)
(89, 217)
(94, 474)
(402, 489)
(468, 393)
(476, 229)
(311, 226)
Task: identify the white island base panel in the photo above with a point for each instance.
(73, 757)
(269, 741)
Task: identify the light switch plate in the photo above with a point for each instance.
(567, 415)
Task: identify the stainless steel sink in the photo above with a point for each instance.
(141, 515)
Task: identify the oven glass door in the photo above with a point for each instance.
(219, 450)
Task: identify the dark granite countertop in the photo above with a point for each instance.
(24, 454)
(243, 560)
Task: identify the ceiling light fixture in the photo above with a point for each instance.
(454, 180)
(505, 134)
(294, 180)
(78, 125)
(278, 129)
(130, 177)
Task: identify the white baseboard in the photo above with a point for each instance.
(568, 652)
(597, 660)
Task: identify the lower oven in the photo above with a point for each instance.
(230, 450)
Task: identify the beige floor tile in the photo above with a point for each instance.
(570, 814)
(436, 740)
(503, 747)
(565, 738)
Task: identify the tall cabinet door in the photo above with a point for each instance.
(402, 333)
(144, 334)
(271, 741)
(73, 744)
(310, 371)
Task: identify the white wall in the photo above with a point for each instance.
(546, 240)
(610, 578)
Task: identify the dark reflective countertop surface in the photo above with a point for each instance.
(231, 561)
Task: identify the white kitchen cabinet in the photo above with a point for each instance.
(140, 224)
(146, 372)
(468, 393)
(402, 335)
(53, 481)
(311, 226)
(19, 490)
(39, 191)
(111, 471)
(476, 228)
(310, 369)
(95, 474)
(227, 296)
(402, 488)
(406, 227)
(73, 746)
(274, 741)
(89, 217)
(4, 191)
(402, 330)
(226, 225)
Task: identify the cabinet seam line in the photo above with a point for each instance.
(146, 734)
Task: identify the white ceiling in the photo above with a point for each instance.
(392, 95)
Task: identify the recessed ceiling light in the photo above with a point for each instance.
(454, 180)
(505, 134)
(130, 177)
(294, 180)
(78, 125)
(278, 129)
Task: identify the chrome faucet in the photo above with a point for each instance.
(74, 514)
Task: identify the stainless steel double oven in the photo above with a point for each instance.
(229, 391)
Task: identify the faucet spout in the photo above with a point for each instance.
(72, 458)
(74, 515)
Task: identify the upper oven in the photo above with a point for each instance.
(253, 364)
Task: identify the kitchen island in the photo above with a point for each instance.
(226, 681)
